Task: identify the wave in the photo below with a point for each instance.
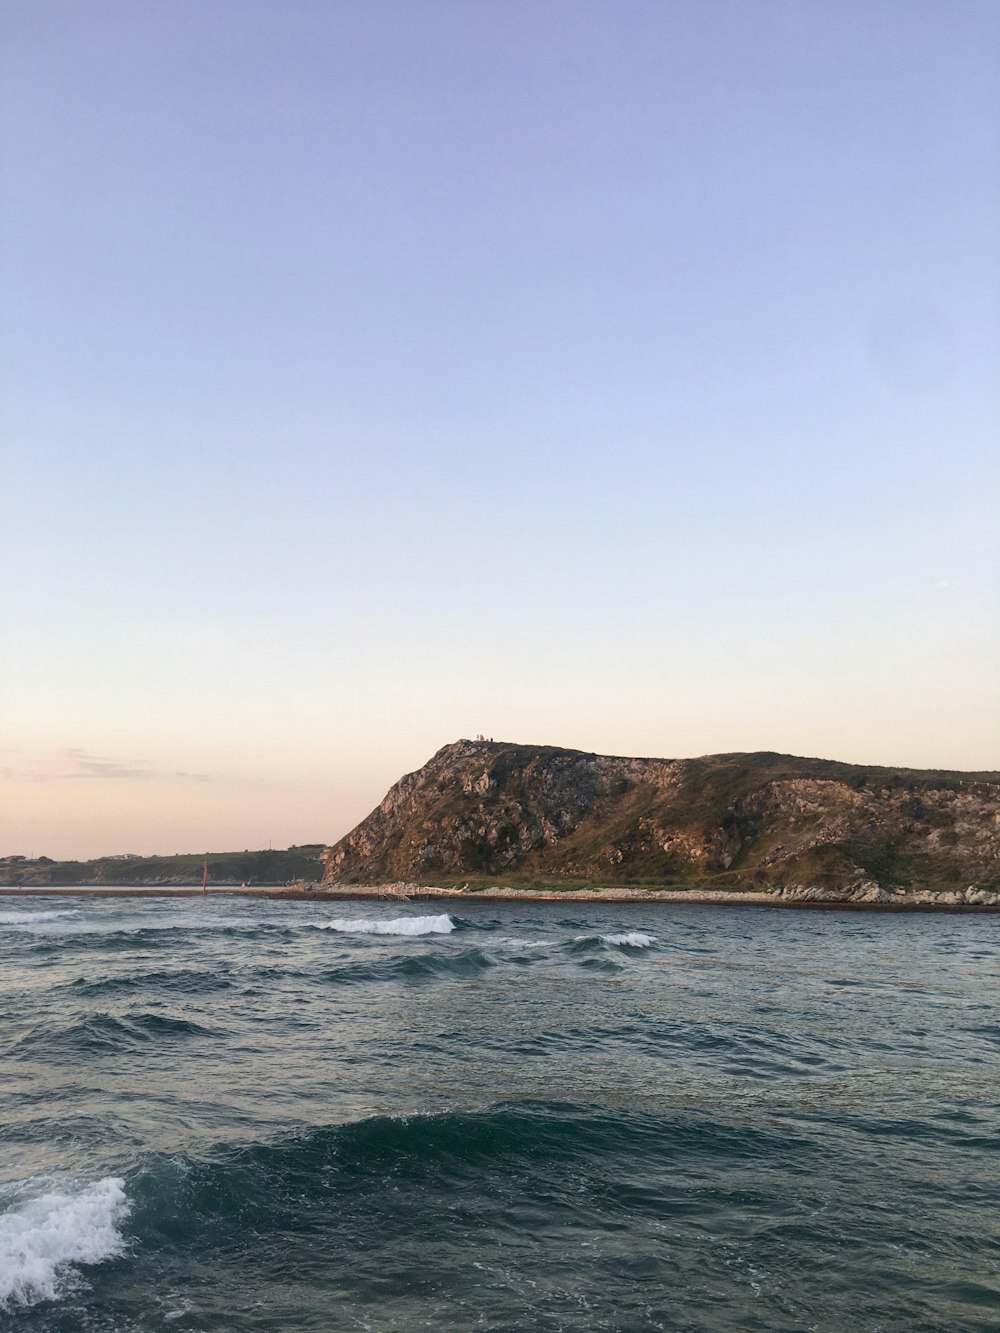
(115, 937)
(558, 1214)
(102, 1032)
(400, 925)
(252, 1183)
(628, 939)
(492, 1217)
(42, 1242)
(30, 918)
(185, 981)
(451, 966)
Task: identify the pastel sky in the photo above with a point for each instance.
(599, 373)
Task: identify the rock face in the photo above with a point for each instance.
(802, 827)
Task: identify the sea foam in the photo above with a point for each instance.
(634, 939)
(400, 925)
(43, 1240)
(29, 918)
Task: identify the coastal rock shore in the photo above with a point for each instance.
(865, 898)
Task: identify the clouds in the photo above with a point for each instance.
(71, 764)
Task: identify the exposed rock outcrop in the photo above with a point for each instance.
(804, 828)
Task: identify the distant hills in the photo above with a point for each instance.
(224, 868)
(480, 811)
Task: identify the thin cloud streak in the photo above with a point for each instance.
(72, 764)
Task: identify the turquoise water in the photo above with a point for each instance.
(229, 1114)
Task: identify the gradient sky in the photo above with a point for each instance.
(611, 374)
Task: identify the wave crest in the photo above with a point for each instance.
(30, 918)
(43, 1241)
(101, 1033)
(401, 925)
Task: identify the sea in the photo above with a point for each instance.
(244, 1114)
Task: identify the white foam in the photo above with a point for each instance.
(29, 918)
(41, 1241)
(400, 925)
(633, 938)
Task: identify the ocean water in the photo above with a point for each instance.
(233, 1114)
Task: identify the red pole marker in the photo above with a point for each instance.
(204, 878)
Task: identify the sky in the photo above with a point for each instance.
(598, 373)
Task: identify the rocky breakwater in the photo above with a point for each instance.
(788, 827)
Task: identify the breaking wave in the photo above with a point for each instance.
(43, 1242)
(30, 918)
(401, 925)
(627, 939)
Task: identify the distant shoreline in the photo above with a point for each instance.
(140, 891)
(419, 893)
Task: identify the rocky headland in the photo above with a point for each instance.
(491, 818)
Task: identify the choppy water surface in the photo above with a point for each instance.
(249, 1115)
